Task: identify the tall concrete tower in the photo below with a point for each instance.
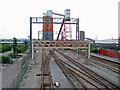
(82, 35)
(48, 25)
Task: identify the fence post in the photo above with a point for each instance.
(89, 50)
(10, 59)
(78, 51)
(13, 84)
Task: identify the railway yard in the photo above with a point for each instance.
(67, 52)
(59, 68)
(60, 62)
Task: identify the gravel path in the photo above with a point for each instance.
(6, 53)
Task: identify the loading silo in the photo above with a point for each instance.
(48, 25)
(82, 35)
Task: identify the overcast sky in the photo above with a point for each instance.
(96, 17)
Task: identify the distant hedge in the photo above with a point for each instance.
(13, 55)
(7, 47)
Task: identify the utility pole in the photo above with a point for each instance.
(30, 37)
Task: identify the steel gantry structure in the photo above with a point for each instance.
(39, 20)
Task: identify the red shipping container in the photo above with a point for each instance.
(114, 54)
(103, 51)
(110, 53)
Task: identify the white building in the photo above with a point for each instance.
(109, 41)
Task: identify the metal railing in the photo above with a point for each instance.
(15, 83)
(25, 59)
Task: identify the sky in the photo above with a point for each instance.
(98, 18)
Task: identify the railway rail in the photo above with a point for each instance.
(114, 67)
(113, 64)
(96, 78)
(46, 79)
(72, 75)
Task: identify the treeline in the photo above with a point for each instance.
(7, 47)
(19, 49)
(22, 48)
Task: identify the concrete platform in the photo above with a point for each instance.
(30, 80)
(106, 57)
(58, 75)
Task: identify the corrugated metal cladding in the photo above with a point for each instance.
(47, 35)
(47, 26)
(82, 35)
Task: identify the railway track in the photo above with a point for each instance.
(46, 79)
(72, 76)
(113, 64)
(116, 70)
(110, 63)
(95, 80)
(106, 64)
(114, 67)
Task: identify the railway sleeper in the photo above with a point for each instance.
(47, 84)
(45, 74)
(53, 84)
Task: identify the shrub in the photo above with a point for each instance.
(6, 59)
(94, 50)
(6, 48)
(22, 48)
(26, 52)
(65, 48)
(19, 56)
(13, 55)
(19, 50)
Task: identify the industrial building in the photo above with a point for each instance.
(48, 23)
(19, 43)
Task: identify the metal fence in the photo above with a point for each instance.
(25, 59)
(15, 83)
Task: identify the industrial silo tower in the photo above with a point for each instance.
(48, 25)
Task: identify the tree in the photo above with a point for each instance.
(15, 45)
(6, 59)
(6, 47)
